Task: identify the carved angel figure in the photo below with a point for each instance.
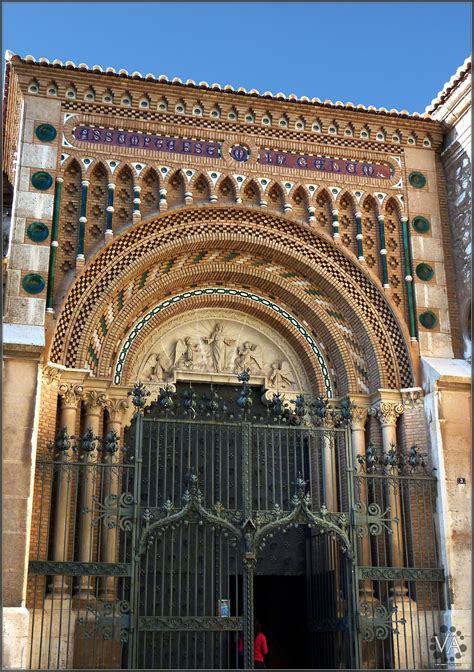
(184, 353)
(218, 343)
(280, 376)
(156, 367)
(249, 356)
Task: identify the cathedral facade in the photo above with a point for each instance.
(231, 316)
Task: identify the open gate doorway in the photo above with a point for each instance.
(230, 501)
(218, 510)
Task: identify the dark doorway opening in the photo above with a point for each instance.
(280, 606)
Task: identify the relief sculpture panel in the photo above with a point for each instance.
(216, 346)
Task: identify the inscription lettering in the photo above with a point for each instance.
(146, 141)
(239, 153)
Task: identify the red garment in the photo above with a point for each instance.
(260, 647)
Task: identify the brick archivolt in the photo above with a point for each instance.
(297, 294)
(294, 246)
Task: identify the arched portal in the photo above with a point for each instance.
(178, 307)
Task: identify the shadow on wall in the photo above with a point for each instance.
(458, 182)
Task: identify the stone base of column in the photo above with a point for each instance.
(371, 652)
(108, 235)
(406, 636)
(16, 626)
(53, 635)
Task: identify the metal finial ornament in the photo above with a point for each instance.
(391, 457)
(89, 441)
(369, 460)
(111, 443)
(276, 405)
(139, 393)
(319, 408)
(245, 399)
(188, 402)
(165, 400)
(345, 415)
(62, 443)
(300, 407)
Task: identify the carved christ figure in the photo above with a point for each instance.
(218, 343)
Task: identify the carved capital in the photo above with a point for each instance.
(94, 401)
(116, 409)
(51, 375)
(412, 397)
(359, 417)
(70, 394)
(387, 412)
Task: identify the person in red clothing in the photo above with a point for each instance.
(260, 648)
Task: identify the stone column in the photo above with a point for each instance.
(404, 612)
(387, 413)
(359, 418)
(94, 405)
(111, 488)
(70, 396)
(329, 466)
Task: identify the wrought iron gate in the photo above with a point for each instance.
(180, 523)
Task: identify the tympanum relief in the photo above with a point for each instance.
(201, 347)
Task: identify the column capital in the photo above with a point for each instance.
(359, 417)
(94, 400)
(386, 412)
(116, 409)
(71, 394)
(51, 375)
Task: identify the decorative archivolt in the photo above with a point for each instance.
(307, 252)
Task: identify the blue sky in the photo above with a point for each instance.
(383, 54)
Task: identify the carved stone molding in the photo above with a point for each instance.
(387, 412)
(51, 375)
(359, 417)
(412, 397)
(116, 409)
(71, 394)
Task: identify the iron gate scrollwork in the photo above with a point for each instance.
(180, 523)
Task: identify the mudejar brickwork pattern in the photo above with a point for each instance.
(275, 279)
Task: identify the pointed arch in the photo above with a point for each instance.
(150, 193)
(52, 88)
(324, 206)
(347, 224)
(370, 231)
(276, 197)
(68, 234)
(96, 207)
(90, 94)
(176, 188)
(394, 245)
(300, 203)
(251, 193)
(226, 191)
(123, 200)
(201, 189)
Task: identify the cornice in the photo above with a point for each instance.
(84, 71)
